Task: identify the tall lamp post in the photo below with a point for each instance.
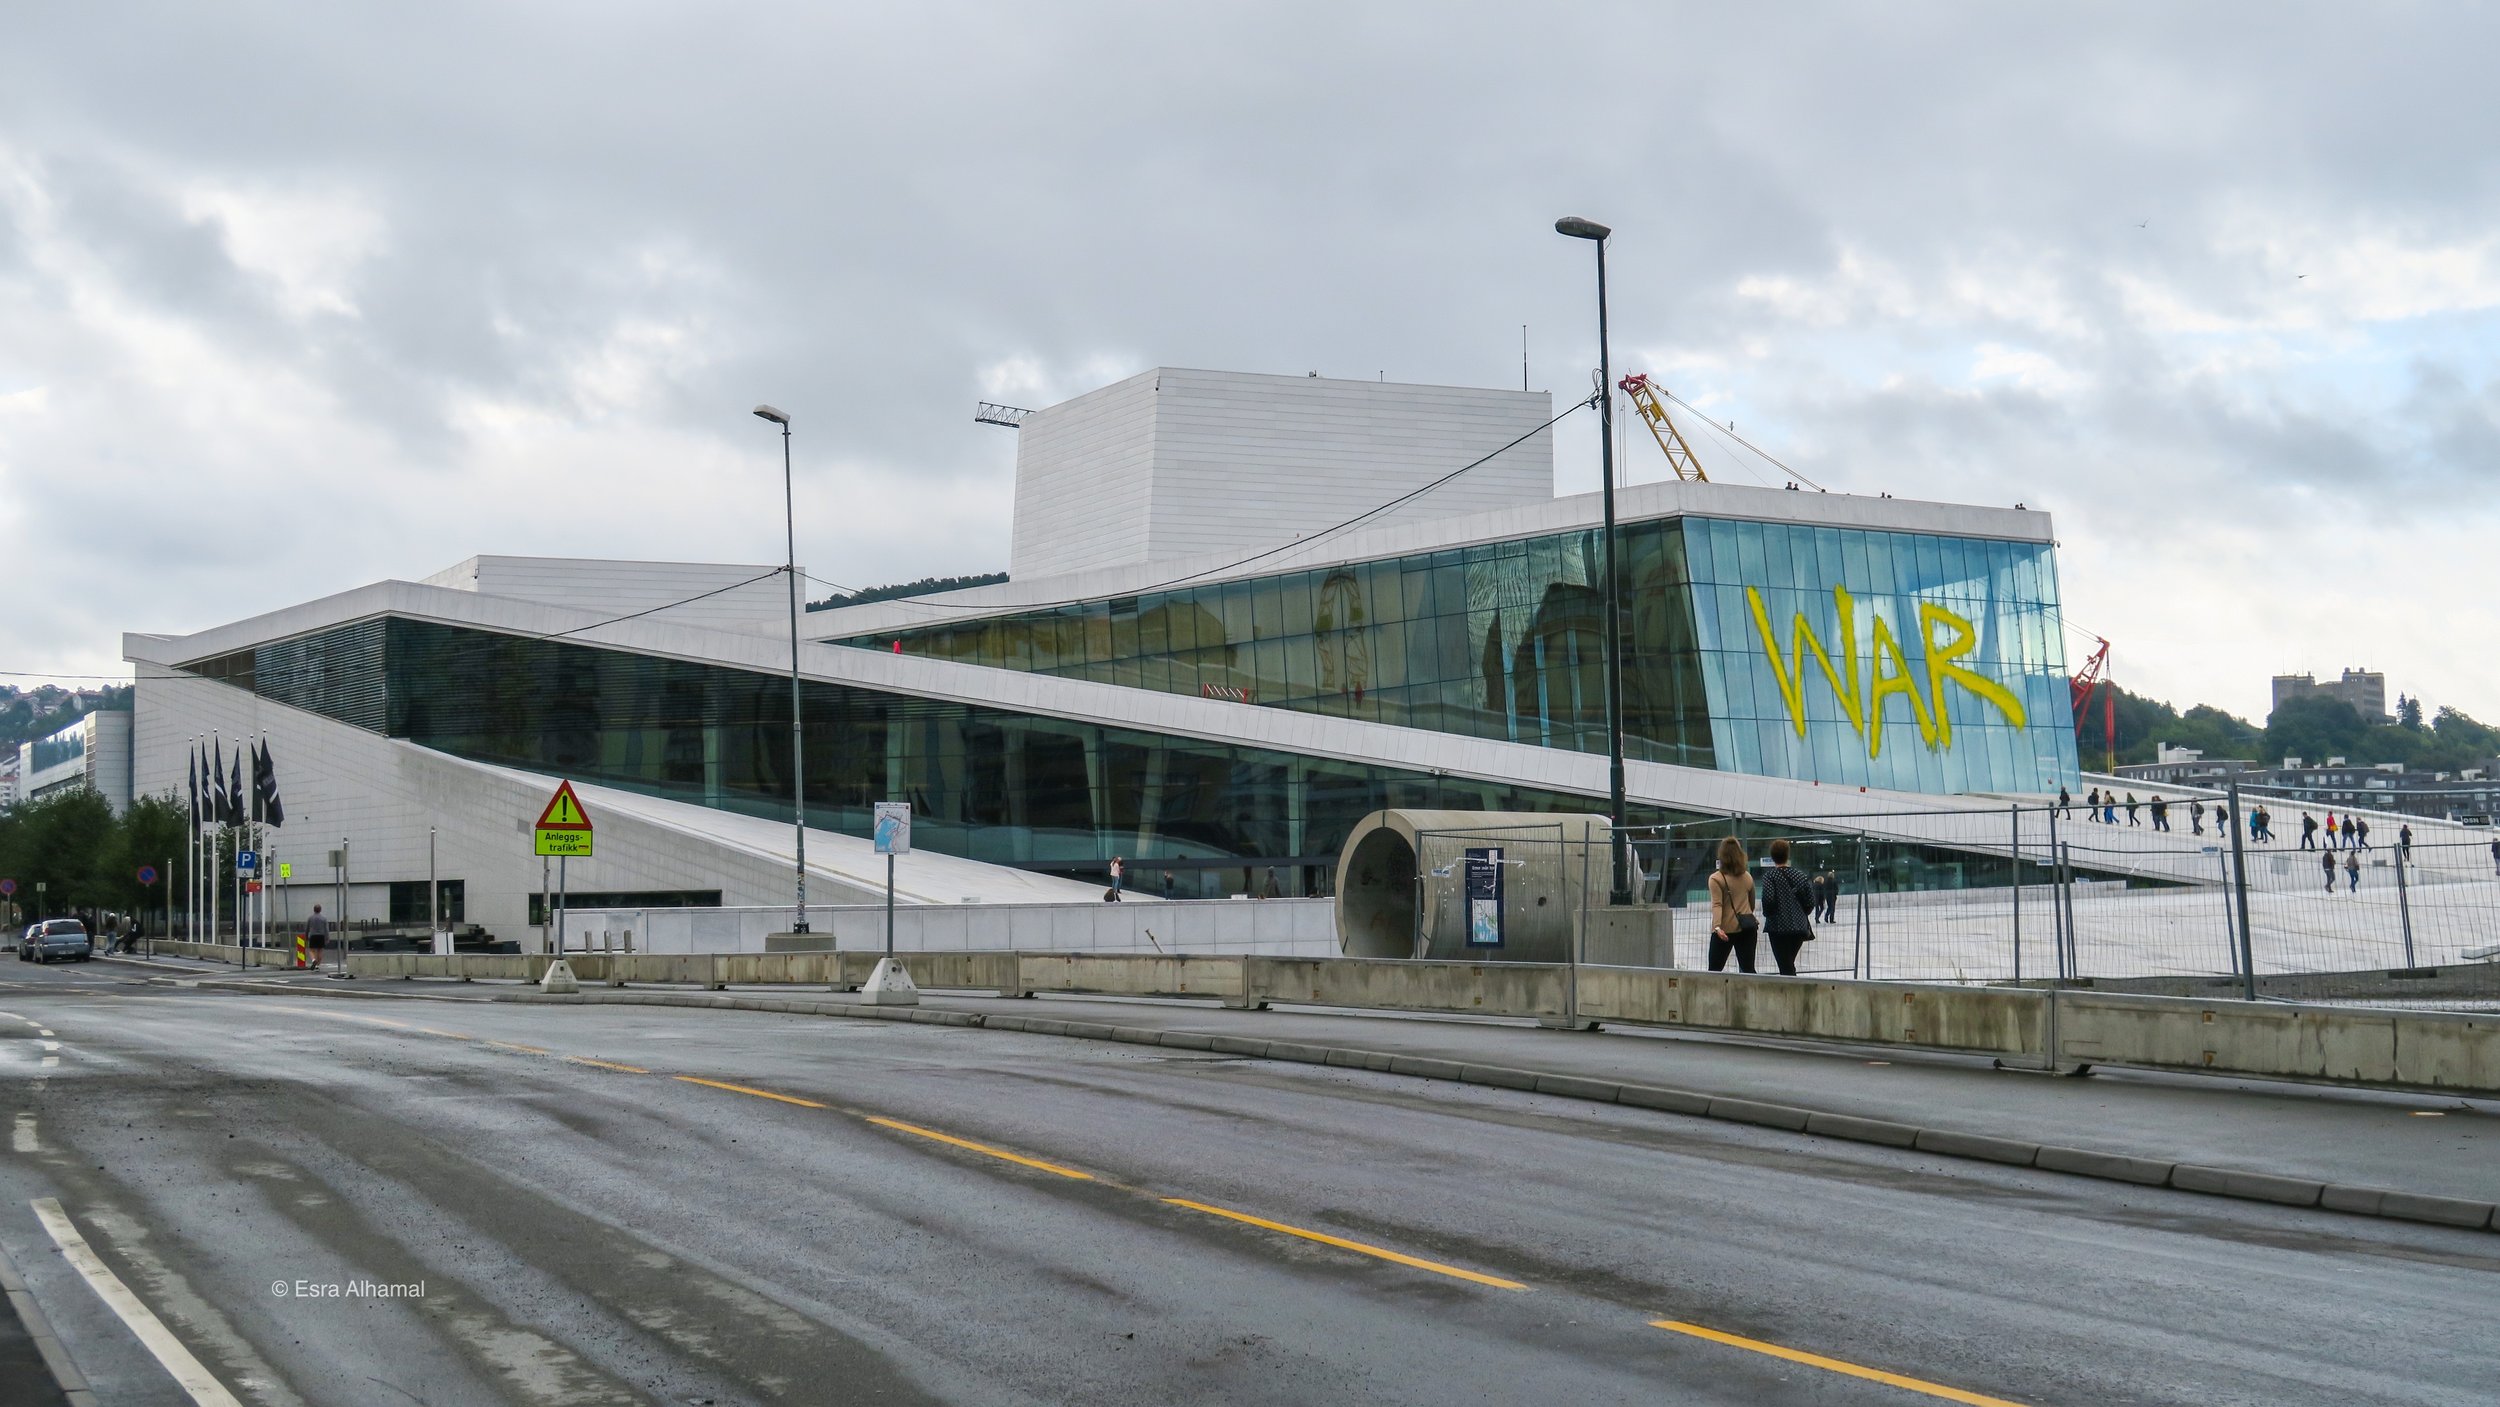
(1612, 595)
(798, 746)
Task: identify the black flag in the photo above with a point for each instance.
(192, 765)
(275, 809)
(217, 807)
(234, 794)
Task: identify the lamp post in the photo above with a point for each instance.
(1620, 890)
(798, 746)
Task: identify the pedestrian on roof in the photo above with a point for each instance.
(1732, 923)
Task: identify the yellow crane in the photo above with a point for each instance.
(1653, 408)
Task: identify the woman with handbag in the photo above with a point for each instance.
(1732, 925)
(1788, 902)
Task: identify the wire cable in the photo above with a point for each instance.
(1303, 541)
(663, 606)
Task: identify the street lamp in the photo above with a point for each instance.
(798, 746)
(1611, 595)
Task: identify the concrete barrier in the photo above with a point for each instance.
(2457, 1052)
(1391, 984)
(1995, 1021)
(2451, 1052)
(225, 952)
(1129, 974)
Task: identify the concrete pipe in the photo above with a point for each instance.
(1401, 883)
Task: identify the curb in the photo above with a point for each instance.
(2236, 1183)
(48, 1345)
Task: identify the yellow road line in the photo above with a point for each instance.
(448, 1035)
(1834, 1365)
(1436, 1267)
(607, 1065)
(524, 1049)
(1001, 1153)
(758, 1093)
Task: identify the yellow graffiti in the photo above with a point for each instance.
(1888, 670)
(1792, 674)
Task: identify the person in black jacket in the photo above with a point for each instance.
(1787, 908)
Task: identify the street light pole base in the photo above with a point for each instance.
(889, 985)
(559, 980)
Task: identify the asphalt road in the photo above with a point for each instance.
(634, 1204)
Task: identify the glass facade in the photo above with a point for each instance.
(1496, 641)
(1896, 660)
(1905, 661)
(988, 784)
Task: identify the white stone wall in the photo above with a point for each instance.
(1084, 475)
(1244, 462)
(1175, 462)
(617, 587)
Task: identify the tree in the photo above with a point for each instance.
(54, 841)
(2315, 728)
(2409, 712)
(153, 831)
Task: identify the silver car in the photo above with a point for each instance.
(56, 938)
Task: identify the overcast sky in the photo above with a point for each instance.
(293, 298)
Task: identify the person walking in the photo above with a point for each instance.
(1119, 873)
(1831, 898)
(2331, 830)
(2308, 831)
(2495, 857)
(317, 935)
(1787, 897)
(2196, 816)
(2262, 822)
(1732, 923)
(2352, 870)
(2360, 833)
(2065, 802)
(2326, 860)
(2092, 804)
(2404, 839)
(2161, 813)
(2131, 820)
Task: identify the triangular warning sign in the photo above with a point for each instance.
(564, 811)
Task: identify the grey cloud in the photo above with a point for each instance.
(855, 212)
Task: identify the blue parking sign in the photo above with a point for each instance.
(246, 860)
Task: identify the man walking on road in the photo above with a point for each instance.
(2065, 802)
(2131, 805)
(2352, 871)
(2326, 861)
(2308, 831)
(317, 934)
(2360, 834)
(2161, 814)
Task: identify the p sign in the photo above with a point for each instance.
(147, 874)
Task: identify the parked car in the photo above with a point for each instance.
(56, 938)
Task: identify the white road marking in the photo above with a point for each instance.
(22, 1136)
(51, 1060)
(42, 1030)
(188, 1371)
(49, 1045)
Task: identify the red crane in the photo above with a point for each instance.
(2089, 681)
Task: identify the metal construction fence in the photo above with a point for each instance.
(2020, 893)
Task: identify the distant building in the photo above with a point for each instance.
(2364, 689)
(8, 779)
(92, 752)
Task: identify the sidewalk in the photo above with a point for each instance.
(2438, 1146)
